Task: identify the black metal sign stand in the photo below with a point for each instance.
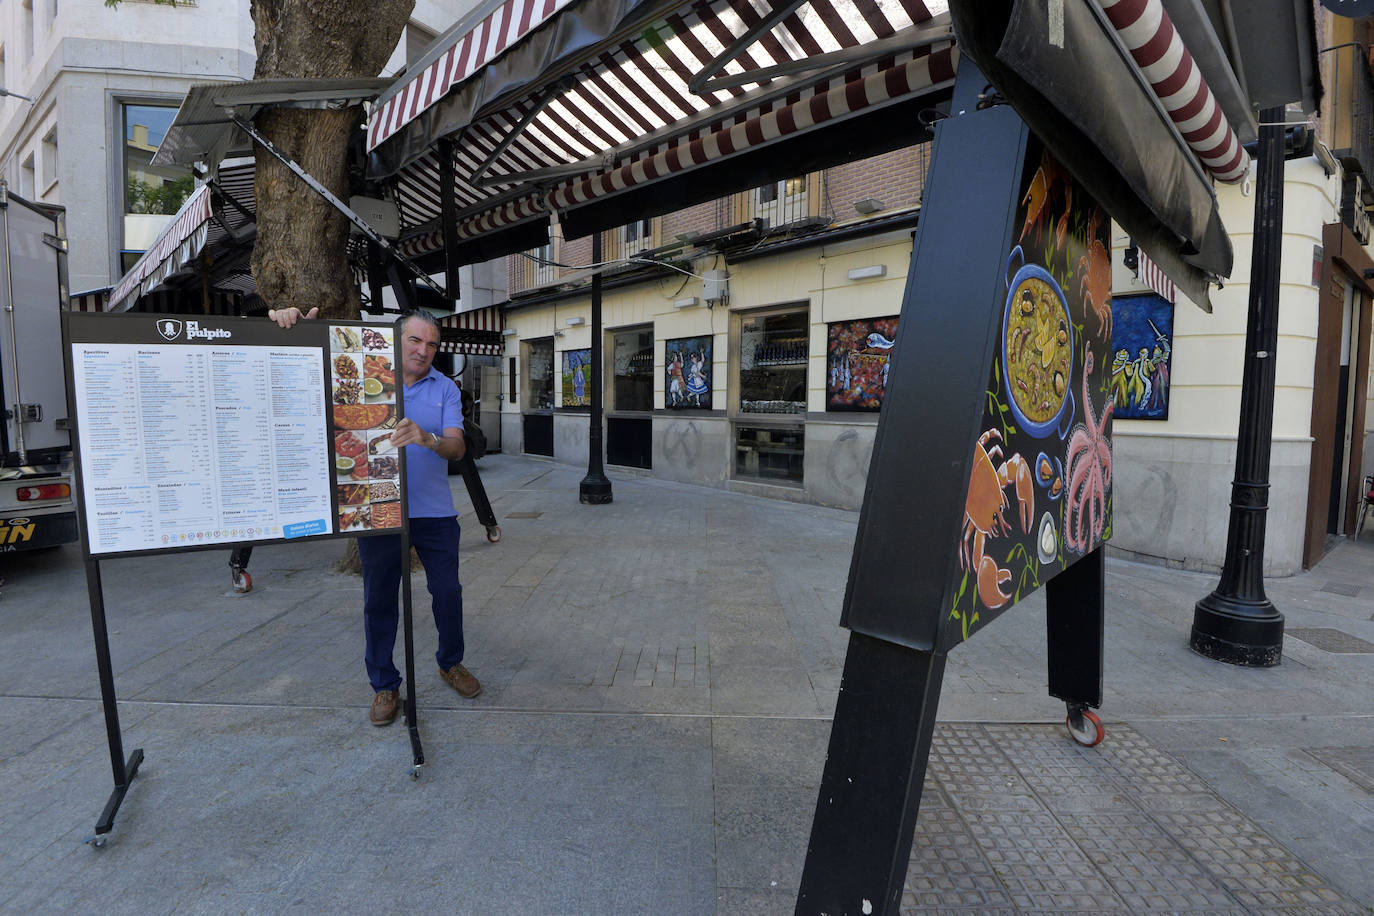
(124, 770)
(907, 599)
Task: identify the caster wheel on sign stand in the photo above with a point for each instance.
(243, 582)
(97, 841)
(415, 772)
(494, 533)
(1084, 726)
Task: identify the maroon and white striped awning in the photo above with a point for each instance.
(1149, 34)
(178, 243)
(477, 331)
(638, 91)
(195, 226)
(472, 48)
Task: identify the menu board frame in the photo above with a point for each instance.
(341, 433)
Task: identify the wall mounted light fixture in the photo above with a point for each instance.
(869, 205)
(868, 273)
(575, 321)
(686, 303)
(509, 332)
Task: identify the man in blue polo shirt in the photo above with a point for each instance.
(432, 434)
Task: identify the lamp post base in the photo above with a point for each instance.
(1245, 633)
(594, 490)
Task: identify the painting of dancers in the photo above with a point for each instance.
(687, 373)
(1143, 336)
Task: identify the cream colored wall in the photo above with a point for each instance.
(1209, 350)
(818, 276)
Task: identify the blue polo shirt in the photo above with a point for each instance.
(434, 404)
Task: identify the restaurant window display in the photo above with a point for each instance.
(538, 396)
(629, 423)
(772, 358)
(539, 375)
(633, 370)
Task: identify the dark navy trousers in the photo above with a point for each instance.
(436, 542)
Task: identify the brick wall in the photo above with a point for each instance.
(896, 179)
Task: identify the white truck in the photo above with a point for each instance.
(36, 499)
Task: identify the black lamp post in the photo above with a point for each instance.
(595, 487)
(1237, 623)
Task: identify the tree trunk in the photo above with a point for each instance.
(300, 257)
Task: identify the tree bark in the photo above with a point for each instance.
(300, 257)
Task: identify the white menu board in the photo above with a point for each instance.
(196, 432)
(201, 444)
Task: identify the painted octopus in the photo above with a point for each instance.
(985, 513)
(1095, 287)
(1088, 465)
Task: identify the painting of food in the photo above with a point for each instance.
(364, 416)
(1038, 351)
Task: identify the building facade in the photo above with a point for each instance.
(749, 365)
(102, 86)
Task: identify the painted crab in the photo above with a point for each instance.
(1088, 466)
(985, 513)
(1095, 285)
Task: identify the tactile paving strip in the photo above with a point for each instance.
(1329, 639)
(1019, 819)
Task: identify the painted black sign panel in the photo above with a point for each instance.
(991, 467)
(1040, 474)
(197, 432)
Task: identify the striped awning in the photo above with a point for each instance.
(614, 94)
(91, 300)
(1157, 48)
(215, 212)
(476, 332)
(179, 242)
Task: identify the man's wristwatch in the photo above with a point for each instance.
(433, 441)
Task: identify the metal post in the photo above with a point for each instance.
(448, 207)
(1237, 623)
(595, 488)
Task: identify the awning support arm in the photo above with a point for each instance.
(697, 84)
(371, 234)
(837, 61)
(525, 121)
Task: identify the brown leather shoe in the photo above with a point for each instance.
(461, 680)
(384, 707)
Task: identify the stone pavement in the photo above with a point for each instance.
(658, 679)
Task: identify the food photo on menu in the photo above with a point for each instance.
(363, 404)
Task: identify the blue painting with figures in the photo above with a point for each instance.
(1143, 342)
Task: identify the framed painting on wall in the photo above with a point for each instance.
(577, 369)
(687, 373)
(1143, 337)
(856, 360)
